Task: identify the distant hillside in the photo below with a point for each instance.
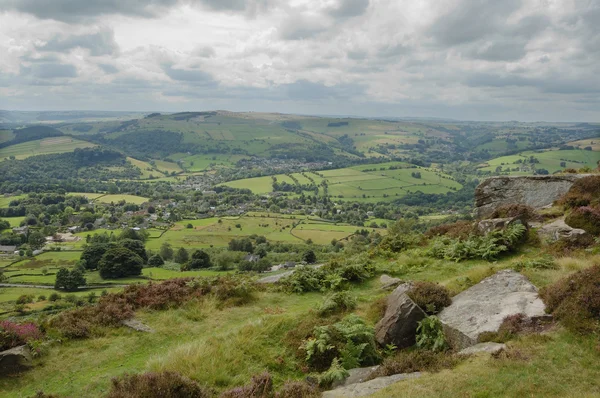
(31, 134)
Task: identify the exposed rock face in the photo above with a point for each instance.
(368, 387)
(356, 375)
(388, 282)
(483, 307)
(15, 360)
(559, 230)
(137, 325)
(490, 347)
(534, 191)
(493, 224)
(399, 324)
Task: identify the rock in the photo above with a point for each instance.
(483, 307)
(490, 347)
(534, 191)
(368, 387)
(15, 360)
(399, 324)
(137, 325)
(559, 230)
(494, 224)
(356, 375)
(387, 282)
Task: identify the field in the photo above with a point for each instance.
(42, 147)
(117, 198)
(550, 160)
(370, 183)
(5, 200)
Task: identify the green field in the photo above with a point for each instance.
(370, 183)
(42, 147)
(5, 200)
(550, 160)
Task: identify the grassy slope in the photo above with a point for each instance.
(225, 347)
(549, 160)
(42, 147)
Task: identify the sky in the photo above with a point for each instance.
(528, 60)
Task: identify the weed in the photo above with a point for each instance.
(430, 334)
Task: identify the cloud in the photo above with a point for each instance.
(107, 68)
(49, 71)
(101, 43)
(349, 8)
(191, 76)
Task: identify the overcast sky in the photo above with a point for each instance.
(465, 59)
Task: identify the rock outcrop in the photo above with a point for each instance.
(483, 307)
(559, 230)
(399, 324)
(494, 224)
(356, 375)
(15, 360)
(534, 191)
(388, 283)
(368, 387)
(137, 325)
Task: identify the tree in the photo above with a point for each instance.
(69, 280)
(92, 253)
(166, 251)
(309, 257)
(156, 261)
(189, 226)
(182, 256)
(200, 259)
(4, 225)
(119, 262)
(136, 246)
(130, 233)
(36, 240)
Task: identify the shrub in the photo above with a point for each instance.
(54, 297)
(431, 297)
(544, 262)
(409, 361)
(336, 303)
(508, 330)
(156, 261)
(297, 389)
(158, 385)
(575, 300)
(584, 192)
(305, 279)
(335, 373)
(350, 340)
(14, 334)
(309, 257)
(460, 229)
(586, 218)
(24, 299)
(430, 334)
(261, 386)
(522, 212)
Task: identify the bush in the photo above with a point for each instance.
(460, 229)
(508, 330)
(159, 385)
(336, 303)
(575, 300)
(430, 334)
(431, 297)
(305, 279)
(409, 361)
(297, 389)
(522, 212)
(584, 192)
(586, 218)
(309, 257)
(544, 262)
(156, 261)
(261, 386)
(350, 340)
(24, 299)
(14, 334)
(54, 297)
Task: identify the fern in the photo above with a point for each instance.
(336, 372)
(430, 334)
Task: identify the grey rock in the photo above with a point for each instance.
(15, 360)
(494, 224)
(534, 191)
(368, 387)
(489, 347)
(483, 307)
(388, 282)
(137, 325)
(559, 230)
(399, 324)
(356, 375)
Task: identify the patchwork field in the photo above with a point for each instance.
(42, 147)
(553, 161)
(371, 183)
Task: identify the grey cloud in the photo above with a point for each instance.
(551, 84)
(109, 69)
(191, 76)
(500, 50)
(306, 90)
(204, 52)
(300, 29)
(349, 8)
(101, 43)
(49, 71)
(393, 50)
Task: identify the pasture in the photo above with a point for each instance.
(43, 147)
(551, 160)
(5, 200)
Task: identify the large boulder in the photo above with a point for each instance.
(494, 224)
(388, 283)
(368, 387)
(399, 324)
(483, 307)
(15, 360)
(534, 191)
(559, 230)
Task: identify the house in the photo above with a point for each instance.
(289, 264)
(8, 249)
(74, 229)
(253, 258)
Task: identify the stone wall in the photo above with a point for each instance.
(534, 191)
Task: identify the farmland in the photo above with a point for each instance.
(42, 147)
(118, 198)
(551, 160)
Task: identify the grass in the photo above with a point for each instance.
(550, 160)
(14, 221)
(5, 200)
(42, 147)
